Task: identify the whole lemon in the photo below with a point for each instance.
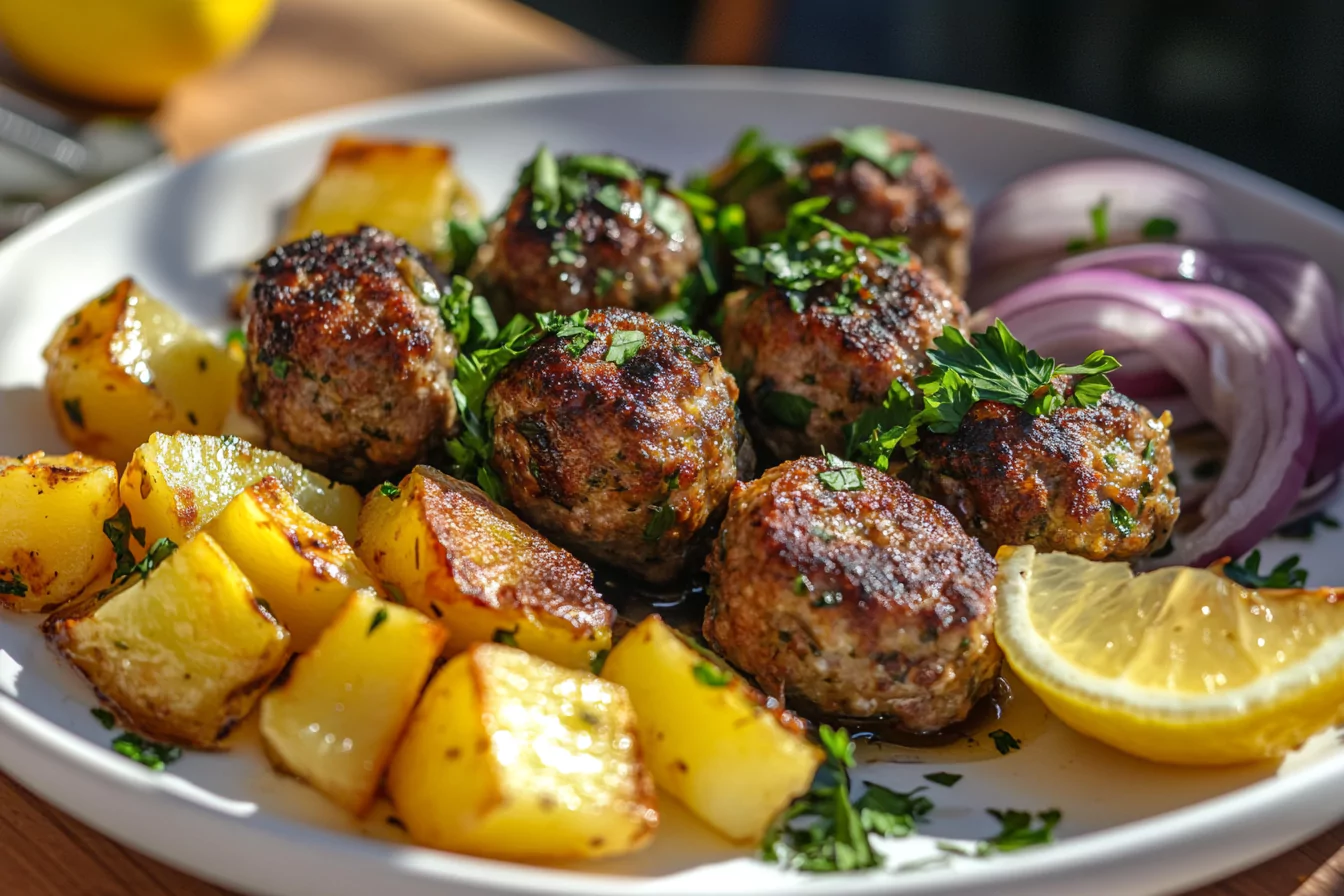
(127, 52)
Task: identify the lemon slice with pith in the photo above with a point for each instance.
(1179, 665)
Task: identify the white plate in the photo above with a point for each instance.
(1129, 827)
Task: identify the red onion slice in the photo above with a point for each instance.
(1291, 287)
(1229, 357)
(1031, 222)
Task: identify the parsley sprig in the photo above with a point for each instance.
(1287, 574)
(872, 144)
(991, 366)
(560, 186)
(119, 531)
(1017, 830)
(722, 229)
(824, 831)
(812, 251)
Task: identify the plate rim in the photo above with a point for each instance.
(25, 733)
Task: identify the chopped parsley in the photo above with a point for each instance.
(598, 661)
(823, 831)
(722, 229)
(1099, 215)
(840, 475)
(105, 718)
(664, 515)
(625, 344)
(606, 279)
(379, 617)
(711, 675)
(74, 410)
(388, 490)
(801, 585)
(236, 337)
(119, 531)
(1149, 449)
(506, 636)
(786, 408)
(15, 585)
(943, 779)
(1121, 518)
(1111, 461)
(571, 329)
(153, 756)
(465, 238)
(990, 366)
(560, 186)
(1004, 742)
(873, 144)
(1017, 830)
(280, 367)
(1160, 229)
(1287, 574)
(755, 162)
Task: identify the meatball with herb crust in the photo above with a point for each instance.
(617, 436)
(587, 231)
(880, 182)
(1093, 481)
(820, 332)
(839, 585)
(349, 365)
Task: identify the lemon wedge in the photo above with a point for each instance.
(1179, 665)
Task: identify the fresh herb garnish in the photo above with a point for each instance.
(598, 661)
(755, 162)
(153, 756)
(506, 636)
(1110, 460)
(1149, 449)
(570, 329)
(1015, 832)
(722, 229)
(1121, 518)
(1004, 742)
(711, 675)
(119, 531)
(379, 617)
(625, 344)
(74, 411)
(105, 718)
(388, 490)
(605, 280)
(15, 585)
(1287, 574)
(465, 238)
(1160, 228)
(840, 475)
(990, 366)
(280, 367)
(1099, 215)
(873, 144)
(1305, 527)
(664, 515)
(787, 409)
(823, 831)
(945, 779)
(236, 337)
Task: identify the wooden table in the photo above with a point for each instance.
(323, 53)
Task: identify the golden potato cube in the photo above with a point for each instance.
(181, 655)
(125, 366)
(512, 756)
(51, 527)
(337, 717)
(408, 189)
(176, 484)
(299, 565)
(455, 555)
(709, 738)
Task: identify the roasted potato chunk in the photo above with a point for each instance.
(125, 365)
(408, 189)
(180, 655)
(336, 719)
(51, 527)
(710, 739)
(299, 565)
(512, 756)
(175, 484)
(457, 556)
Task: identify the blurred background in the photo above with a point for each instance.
(1257, 82)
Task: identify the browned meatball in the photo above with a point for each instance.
(810, 363)
(1091, 481)
(865, 602)
(624, 455)
(881, 183)
(604, 234)
(349, 366)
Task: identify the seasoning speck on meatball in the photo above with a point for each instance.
(881, 183)
(349, 364)
(587, 231)
(1093, 481)
(825, 324)
(617, 436)
(854, 593)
